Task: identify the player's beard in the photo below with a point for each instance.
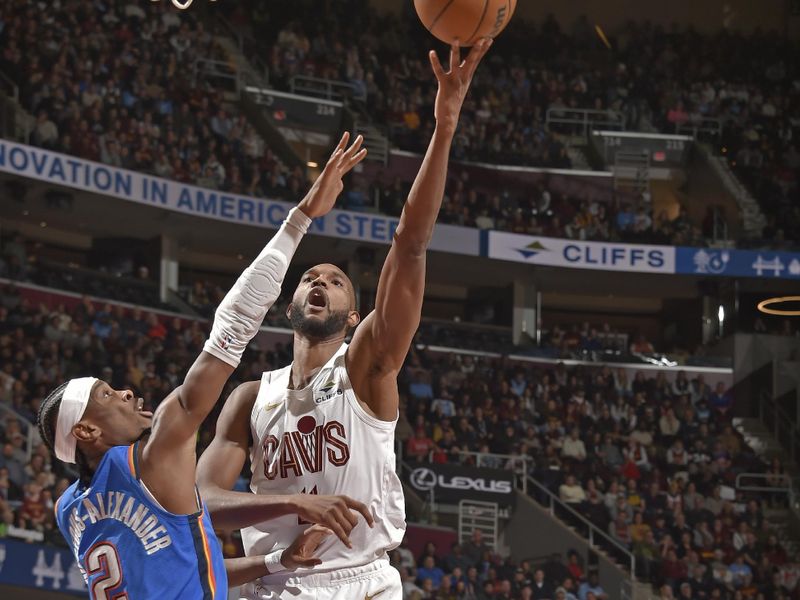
(314, 328)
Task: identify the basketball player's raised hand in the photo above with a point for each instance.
(454, 83)
(301, 552)
(322, 196)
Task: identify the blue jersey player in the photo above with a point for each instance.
(134, 519)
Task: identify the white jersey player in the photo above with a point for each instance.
(325, 423)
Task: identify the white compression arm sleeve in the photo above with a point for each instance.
(244, 307)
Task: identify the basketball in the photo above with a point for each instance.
(465, 20)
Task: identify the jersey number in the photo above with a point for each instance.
(103, 559)
(315, 493)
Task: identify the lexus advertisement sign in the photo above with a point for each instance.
(452, 483)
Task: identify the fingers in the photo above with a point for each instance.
(313, 537)
(338, 528)
(353, 155)
(348, 154)
(478, 51)
(343, 142)
(362, 508)
(351, 517)
(362, 154)
(455, 55)
(437, 66)
(318, 530)
(339, 150)
(340, 524)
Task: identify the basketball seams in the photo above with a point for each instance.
(468, 41)
(450, 20)
(439, 16)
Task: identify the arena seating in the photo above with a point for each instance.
(179, 127)
(123, 91)
(651, 463)
(671, 79)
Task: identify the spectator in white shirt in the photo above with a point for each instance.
(571, 491)
(636, 453)
(574, 447)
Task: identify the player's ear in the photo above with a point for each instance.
(289, 311)
(84, 431)
(353, 319)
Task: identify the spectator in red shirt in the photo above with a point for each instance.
(574, 566)
(672, 569)
(32, 513)
(419, 446)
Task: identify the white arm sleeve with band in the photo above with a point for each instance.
(244, 307)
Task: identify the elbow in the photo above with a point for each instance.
(210, 495)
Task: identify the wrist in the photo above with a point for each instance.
(445, 128)
(298, 219)
(274, 562)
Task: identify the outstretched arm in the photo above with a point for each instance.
(381, 343)
(167, 463)
(220, 465)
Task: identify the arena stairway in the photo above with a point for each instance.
(252, 72)
(15, 122)
(753, 219)
(783, 519)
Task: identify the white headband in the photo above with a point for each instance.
(73, 405)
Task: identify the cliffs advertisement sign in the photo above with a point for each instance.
(452, 483)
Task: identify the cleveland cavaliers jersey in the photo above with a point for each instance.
(128, 546)
(319, 440)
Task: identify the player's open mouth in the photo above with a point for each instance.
(140, 408)
(317, 297)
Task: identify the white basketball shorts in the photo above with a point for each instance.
(378, 580)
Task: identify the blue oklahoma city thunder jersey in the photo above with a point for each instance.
(128, 546)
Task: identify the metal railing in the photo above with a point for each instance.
(428, 509)
(509, 462)
(249, 50)
(216, 70)
(706, 129)
(768, 487)
(581, 121)
(782, 426)
(328, 89)
(376, 139)
(596, 537)
(9, 87)
(31, 433)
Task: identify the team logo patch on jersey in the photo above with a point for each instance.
(306, 449)
(329, 391)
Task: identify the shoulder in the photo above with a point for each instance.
(64, 500)
(234, 420)
(243, 397)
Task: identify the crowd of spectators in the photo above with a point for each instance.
(671, 78)
(117, 82)
(650, 461)
(543, 210)
(503, 120)
(471, 571)
(91, 79)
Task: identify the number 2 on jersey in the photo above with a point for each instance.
(103, 560)
(315, 493)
